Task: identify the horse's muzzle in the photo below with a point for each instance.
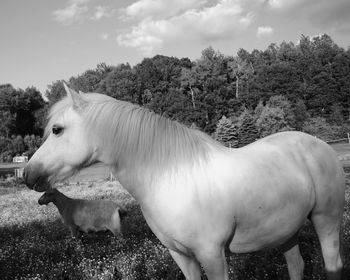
(35, 178)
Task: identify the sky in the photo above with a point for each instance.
(47, 40)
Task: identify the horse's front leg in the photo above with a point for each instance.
(214, 263)
(293, 258)
(295, 263)
(188, 265)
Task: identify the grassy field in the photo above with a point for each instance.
(34, 244)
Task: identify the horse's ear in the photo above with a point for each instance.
(78, 102)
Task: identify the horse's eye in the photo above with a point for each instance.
(57, 130)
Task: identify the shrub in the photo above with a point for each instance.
(320, 128)
(272, 120)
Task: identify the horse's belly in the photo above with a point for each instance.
(268, 231)
(251, 243)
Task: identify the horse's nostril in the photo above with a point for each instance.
(29, 177)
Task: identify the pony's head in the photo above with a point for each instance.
(66, 149)
(48, 196)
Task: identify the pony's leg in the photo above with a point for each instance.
(75, 231)
(293, 258)
(188, 265)
(214, 264)
(328, 231)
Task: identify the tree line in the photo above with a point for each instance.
(237, 99)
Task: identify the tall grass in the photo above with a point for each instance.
(34, 244)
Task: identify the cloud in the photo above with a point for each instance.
(78, 1)
(74, 12)
(101, 12)
(104, 36)
(146, 37)
(322, 14)
(222, 21)
(284, 4)
(160, 8)
(264, 31)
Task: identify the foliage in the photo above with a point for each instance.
(17, 111)
(320, 128)
(284, 85)
(120, 83)
(248, 131)
(17, 145)
(300, 114)
(90, 80)
(271, 120)
(336, 115)
(226, 132)
(55, 92)
(277, 115)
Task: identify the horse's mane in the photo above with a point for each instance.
(134, 135)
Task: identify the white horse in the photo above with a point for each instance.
(197, 196)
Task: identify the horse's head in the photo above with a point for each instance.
(48, 196)
(66, 148)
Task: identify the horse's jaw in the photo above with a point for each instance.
(40, 178)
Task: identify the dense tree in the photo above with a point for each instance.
(90, 80)
(300, 114)
(17, 144)
(120, 83)
(7, 121)
(241, 70)
(17, 110)
(31, 143)
(188, 80)
(285, 86)
(5, 145)
(271, 120)
(336, 116)
(27, 104)
(55, 92)
(281, 102)
(319, 127)
(157, 75)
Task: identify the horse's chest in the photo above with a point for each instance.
(182, 220)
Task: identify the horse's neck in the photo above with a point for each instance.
(139, 173)
(133, 181)
(140, 147)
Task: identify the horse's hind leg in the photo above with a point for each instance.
(328, 231)
(293, 258)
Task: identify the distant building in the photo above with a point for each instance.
(20, 159)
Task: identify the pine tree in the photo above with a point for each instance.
(247, 132)
(226, 132)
